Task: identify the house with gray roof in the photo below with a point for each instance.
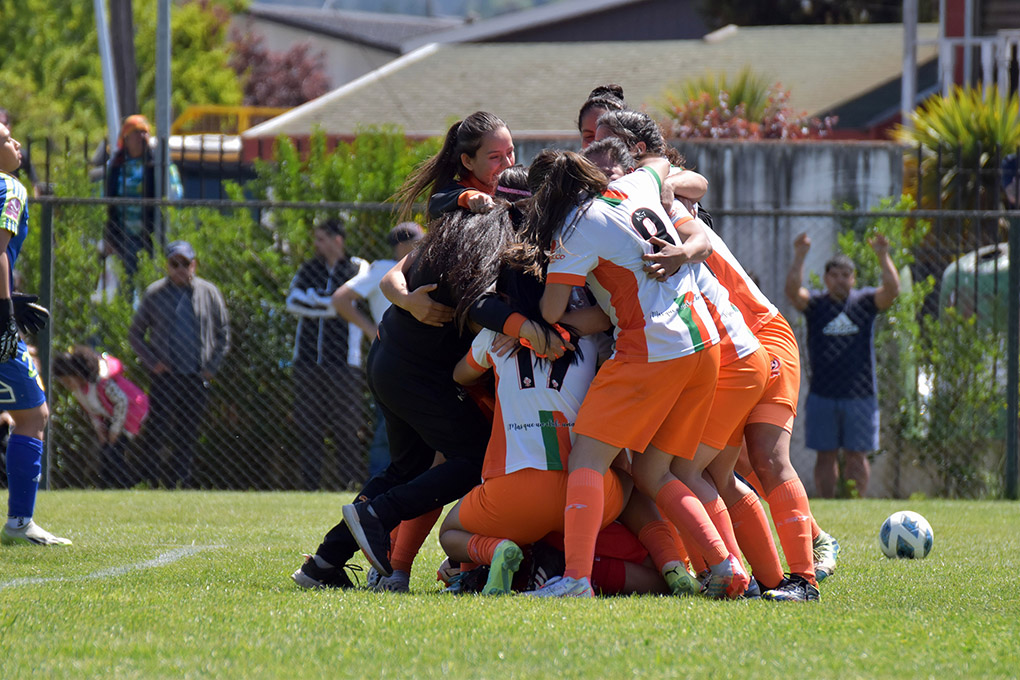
(537, 88)
(354, 43)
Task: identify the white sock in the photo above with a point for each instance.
(18, 522)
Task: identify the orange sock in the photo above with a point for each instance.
(694, 556)
(582, 519)
(815, 529)
(721, 519)
(752, 480)
(481, 548)
(685, 510)
(678, 543)
(791, 514)
(751, 527)
(657, 538)
(411, 534)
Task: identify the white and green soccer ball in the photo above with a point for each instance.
(906, 534)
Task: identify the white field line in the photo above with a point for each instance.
(159, 561)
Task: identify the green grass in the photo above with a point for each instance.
(229, 609)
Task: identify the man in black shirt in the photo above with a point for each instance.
(328, 386)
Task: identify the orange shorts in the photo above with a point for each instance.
(526, 505)
(664, 403)
(740, 388)
(778, 406)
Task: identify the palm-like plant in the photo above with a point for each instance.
(746, 89)
(961, 139)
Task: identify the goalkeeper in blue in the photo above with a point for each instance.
(21, 389)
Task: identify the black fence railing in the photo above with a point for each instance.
(946, 359)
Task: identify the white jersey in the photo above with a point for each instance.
(601, 244)
(753, 304)
(366, 284)
(536, 406)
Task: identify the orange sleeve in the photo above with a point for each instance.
(463, 199)
(512, 326)
(568, 279)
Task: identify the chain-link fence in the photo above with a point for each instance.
(266, 421)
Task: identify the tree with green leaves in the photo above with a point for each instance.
(51, 75)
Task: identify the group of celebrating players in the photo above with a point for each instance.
(607, 462)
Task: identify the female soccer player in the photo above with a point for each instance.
(769, 425)
(603, 98)
(410, 370)
(536, 403)
(654, 394)
(23, 396)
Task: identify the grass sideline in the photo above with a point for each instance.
(196, 585)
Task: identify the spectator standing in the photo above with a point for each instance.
(364, 286)
(131, 173)
(116, 406)
(328, 383)
(181, 334)
(842, 405)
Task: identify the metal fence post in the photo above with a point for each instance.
(45, 336)
(1013, 361)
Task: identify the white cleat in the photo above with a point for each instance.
(30, 534)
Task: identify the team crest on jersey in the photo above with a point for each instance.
(13, 210)
(774, 369)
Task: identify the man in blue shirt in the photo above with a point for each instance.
(842, 405)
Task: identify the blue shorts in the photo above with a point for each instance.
(850, 424)
(21, 386)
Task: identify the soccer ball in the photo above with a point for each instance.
(906, 534)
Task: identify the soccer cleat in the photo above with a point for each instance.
(30, 534)
(505, 562)
(826, 551)
(564, 586)
(317, 574)
(727, 579)
(794, 588)
(753, 591)
(398, 582)
(372, 578)
(372, 537)
(468, 582)
(680, 581)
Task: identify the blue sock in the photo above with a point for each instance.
(24, 469)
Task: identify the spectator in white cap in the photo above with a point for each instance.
(180, 333)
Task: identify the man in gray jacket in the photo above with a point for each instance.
(181, 334)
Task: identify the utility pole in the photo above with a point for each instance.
(162, 113)
(908, 81)
(109, 82)
(122, 37)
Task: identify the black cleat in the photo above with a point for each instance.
(794, 588)
(371, 536)
(314, 576)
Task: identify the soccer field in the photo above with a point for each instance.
(196, 585)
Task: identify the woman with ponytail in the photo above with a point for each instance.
(465, 171)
